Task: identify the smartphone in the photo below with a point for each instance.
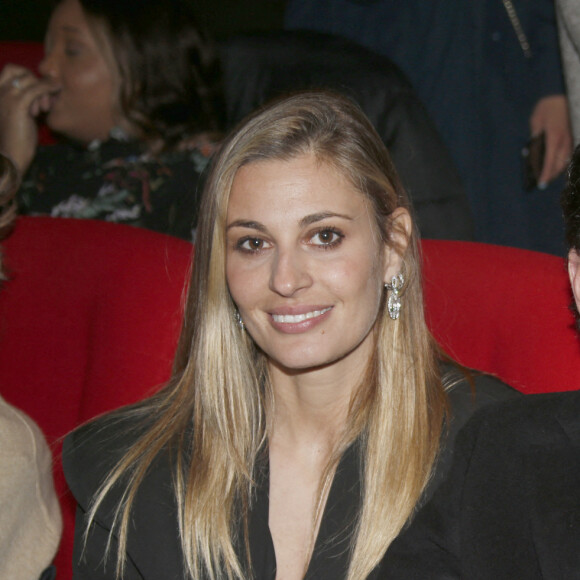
(533, 160)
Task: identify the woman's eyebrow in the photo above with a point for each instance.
(305, 221)
(246, 224)
(71, 29)
(317, 217)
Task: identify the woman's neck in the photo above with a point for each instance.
(311, 407)
(310, 414)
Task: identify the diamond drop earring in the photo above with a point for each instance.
(394, 302)
(238, 319)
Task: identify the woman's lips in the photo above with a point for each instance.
(296, 322)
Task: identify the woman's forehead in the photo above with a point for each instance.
(294, 191)
(300, 169)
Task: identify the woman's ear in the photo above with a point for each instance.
(400, 228)
(574, 273)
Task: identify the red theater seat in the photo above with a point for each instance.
(505, 311)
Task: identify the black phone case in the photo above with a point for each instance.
(533, 160)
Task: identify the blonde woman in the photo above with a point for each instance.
(307, 404)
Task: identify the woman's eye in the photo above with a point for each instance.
(327, 238)
(252, 245)
(72, 49)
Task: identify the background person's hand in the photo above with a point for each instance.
(23, 97)
(550, 116)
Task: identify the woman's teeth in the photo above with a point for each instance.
(294, 318)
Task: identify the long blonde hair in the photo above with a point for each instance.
(220, 383)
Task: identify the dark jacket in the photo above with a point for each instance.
(259, 67)
(511, 506)
(153, 546)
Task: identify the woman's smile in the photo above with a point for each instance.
(300, 322)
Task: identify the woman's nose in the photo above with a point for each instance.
(290, 273)
(48, 65)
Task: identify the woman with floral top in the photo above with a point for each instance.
(129, 86)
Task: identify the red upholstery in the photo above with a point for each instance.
(88, 322)
(505, 311)
(91, 315)
(29, 55)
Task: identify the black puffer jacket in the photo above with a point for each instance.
(262, 66)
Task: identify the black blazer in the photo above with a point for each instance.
(154, 548)
(511, 506)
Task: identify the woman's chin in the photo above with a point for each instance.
(73, 134)
(59, 127)
(62, 125)
(302, 364)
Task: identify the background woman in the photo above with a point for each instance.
(296, 441)
(129, 87)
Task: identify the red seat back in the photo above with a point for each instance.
(505, 311)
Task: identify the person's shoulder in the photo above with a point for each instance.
(25, 451)
(536, 418)
(93, 450)
(469, 391)
(19, 432)
(178, 166)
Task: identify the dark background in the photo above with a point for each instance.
(26, 19)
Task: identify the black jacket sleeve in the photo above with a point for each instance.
(510, 506)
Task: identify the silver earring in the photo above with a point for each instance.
(394, 301)
(238, 319)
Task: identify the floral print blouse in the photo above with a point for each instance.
(118, 181)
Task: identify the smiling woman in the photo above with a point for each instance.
(128, 87)
(301, 425)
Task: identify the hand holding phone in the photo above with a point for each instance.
(533, 160)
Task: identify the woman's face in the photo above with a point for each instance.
(84, 104)
(305, 265)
